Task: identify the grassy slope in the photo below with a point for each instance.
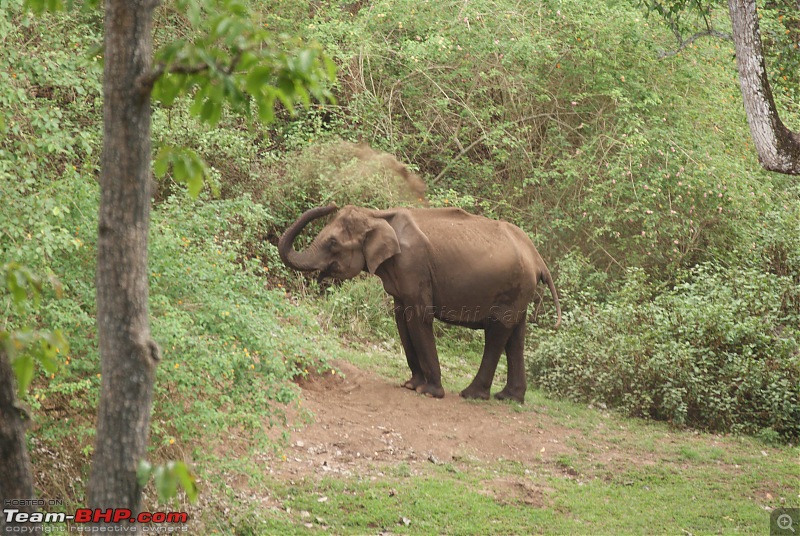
(668, 481)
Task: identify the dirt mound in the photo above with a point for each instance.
(364, 422)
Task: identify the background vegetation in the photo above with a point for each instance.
(677, 257)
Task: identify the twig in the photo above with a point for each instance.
(146, 82)
(683, 43)
(604, 250)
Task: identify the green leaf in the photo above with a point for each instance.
(23, 367)
(179, 171)
(247, 61)
(166, 483)
(18, 293)
(143, 472)
(305, 61)
(285, 93)
(257, 79)
(266, 108)
(222, 26)
(50, 345)
(196, 108)
(193, 13)
(169, 52)
(22, 284)
(186, 479)
(37, 6)
(330, 68)
(190, 169)
(302, 95)
(167, 478)
(168, 87)
(211, 110)
(162, 161)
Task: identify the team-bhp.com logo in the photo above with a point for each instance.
(17, 521)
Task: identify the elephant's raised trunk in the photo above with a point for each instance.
(301, 260)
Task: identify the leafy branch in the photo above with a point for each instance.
(231, 62)
(26, 346)
(167, 478)
(234, 62)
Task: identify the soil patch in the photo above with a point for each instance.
(364, 423)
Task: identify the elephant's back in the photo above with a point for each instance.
(468, 233)
(491, 262)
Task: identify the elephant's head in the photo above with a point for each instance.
(354, 240)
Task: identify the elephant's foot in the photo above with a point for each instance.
(475, 393)
(511, 394)
(434, 391)
(414, 383)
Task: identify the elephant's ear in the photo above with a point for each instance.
(380, 243)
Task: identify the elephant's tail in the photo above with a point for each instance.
(545, 277)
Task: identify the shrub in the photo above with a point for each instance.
(718, 351)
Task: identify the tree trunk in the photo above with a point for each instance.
(778, 148)
(128, 354)
(16, 481)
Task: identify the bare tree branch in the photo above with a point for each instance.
(683, 43)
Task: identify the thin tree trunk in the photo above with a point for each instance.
(778, 148)
(128, 353)
(16, 481)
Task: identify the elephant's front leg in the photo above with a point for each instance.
(417, 376)
(420, 334)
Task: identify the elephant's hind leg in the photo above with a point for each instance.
(496, 335)
(517, 383)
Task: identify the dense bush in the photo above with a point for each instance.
(559, 118)
(719, 351)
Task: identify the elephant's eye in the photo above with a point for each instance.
(332, 242)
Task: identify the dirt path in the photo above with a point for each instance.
(364, 422)
(366, 427)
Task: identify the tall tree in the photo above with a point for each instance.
(778, 147)
(236, 63)
(128, 353)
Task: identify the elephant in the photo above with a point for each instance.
(442, 263)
